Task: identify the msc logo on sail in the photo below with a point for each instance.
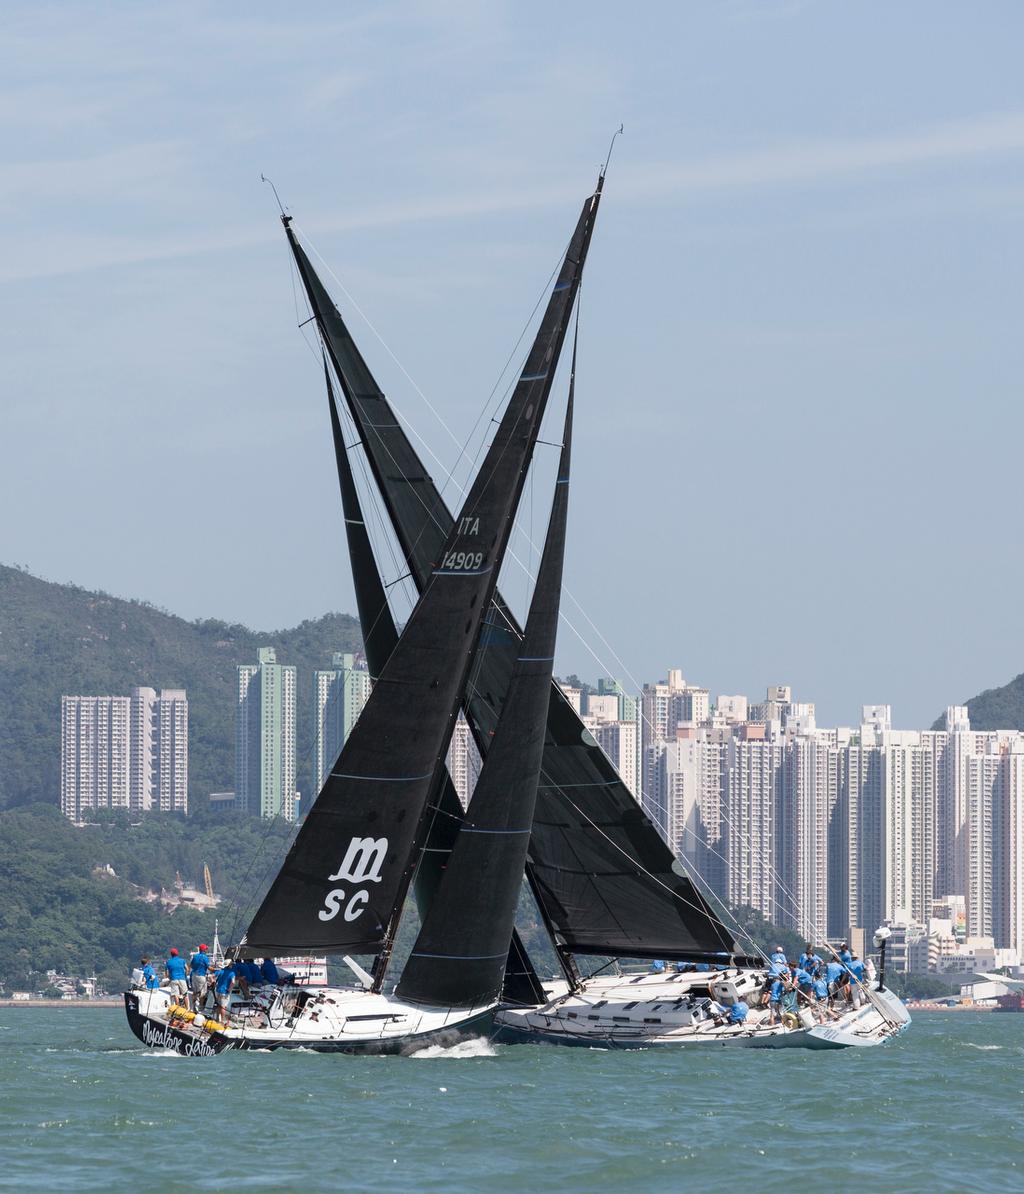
(361, 864)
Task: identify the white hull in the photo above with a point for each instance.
(659, 1010)
(323, 1019)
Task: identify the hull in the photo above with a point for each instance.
(654, 1011)
(338, 1021)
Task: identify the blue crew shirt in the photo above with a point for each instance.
(821, 988)
(802, 977)
(269, 971)
(657, 967)
(252, 972)
(176, 968)
(776, 991)
(738, 1012)
(779, 956)
(224, 980)
(809, 961)
(150, 978)
(200, 964)
(856, 968)
(833, 970)
(845, 957)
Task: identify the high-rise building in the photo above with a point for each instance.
(95, 754)
(806, 790)
(750, 796)
(689, 800)
(124, 752)
(664, 706)
(618, 740)
(339, 694)
(265, 737)
(159, 750)
(464, 762)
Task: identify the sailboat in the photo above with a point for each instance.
(343, 884)
(605, 882)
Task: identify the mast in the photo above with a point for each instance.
(379, 638)
(605, 881)
(459, 958)
(344, 880)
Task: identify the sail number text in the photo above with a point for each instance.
(462, 561)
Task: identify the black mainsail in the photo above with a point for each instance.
(460, 954)
(605, 881)
(344, 880)
(379, 638)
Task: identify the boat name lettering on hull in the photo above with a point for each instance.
(164, 1038)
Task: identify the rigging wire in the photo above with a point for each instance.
(450, 479)
(431, 516)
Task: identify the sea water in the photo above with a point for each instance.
(83, 1106)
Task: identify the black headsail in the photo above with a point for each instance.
(379, 638)
(342, 885)
(605, 880)
(460, 954)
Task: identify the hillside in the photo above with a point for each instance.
(61, 909)
(995, 708)
(58, 639)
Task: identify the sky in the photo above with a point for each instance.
(798, 414)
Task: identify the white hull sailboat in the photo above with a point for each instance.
(322, 1019)
(342, 887)
(658, 1010)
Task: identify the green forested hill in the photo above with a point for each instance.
(58, 639)
(995, 708)
(61, 910)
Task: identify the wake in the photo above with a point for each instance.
(475, 1047)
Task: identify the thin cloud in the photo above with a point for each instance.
(795, 164)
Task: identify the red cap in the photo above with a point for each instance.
(203, 948)
(174, 953)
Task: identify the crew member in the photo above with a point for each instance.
(270, 972)
(225, 983)
(175, 967)
(809, 959)
(149, 975)
(738, 1012)
(199, 977)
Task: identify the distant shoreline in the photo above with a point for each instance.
(925, 1005)
(5, 1003)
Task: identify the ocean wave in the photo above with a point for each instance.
(984, 1048)
(478, 1046)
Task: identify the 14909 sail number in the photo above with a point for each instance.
(463, 561)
